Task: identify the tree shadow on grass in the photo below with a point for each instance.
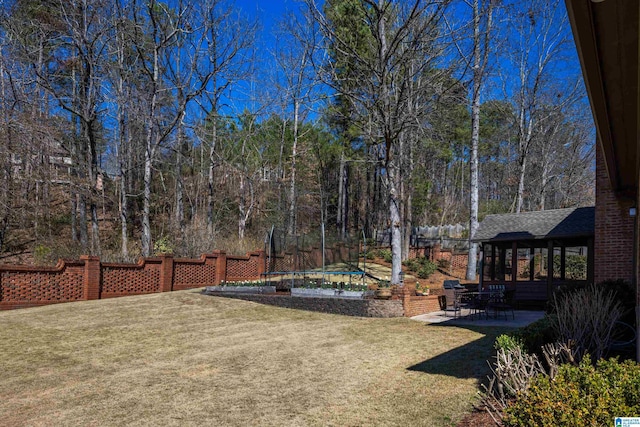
(467, 361)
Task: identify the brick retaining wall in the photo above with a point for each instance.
(403, 303)
(415, 305)
(344, 306)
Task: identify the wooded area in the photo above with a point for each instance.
(135, 127)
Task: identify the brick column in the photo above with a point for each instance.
(436, 252)
(405, 295)
(221, 266)
(166, 274)
(262, 259)
(91, 279)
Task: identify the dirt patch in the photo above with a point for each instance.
(434, 281)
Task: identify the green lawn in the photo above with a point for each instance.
(187, 359)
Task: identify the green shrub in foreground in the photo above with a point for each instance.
(537, 334)
(508, 342)
(583, 395)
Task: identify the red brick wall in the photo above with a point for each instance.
(88, 278)
(193, 273)
(613, 241)
(415, 305)
(244, 267)
(22, 286)
(131, 279)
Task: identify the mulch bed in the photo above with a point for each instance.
(477, 419)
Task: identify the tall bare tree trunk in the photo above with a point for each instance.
(211, 176)
(343, 197)
(146, 205)
(475, 140)
(395, 225)
(481, 44)
(179, 222)
(521, 177)
(294, 153)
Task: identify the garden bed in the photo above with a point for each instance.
(330, 293)
(243, 289)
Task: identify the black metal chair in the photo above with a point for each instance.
(479, 304)
(502, 302)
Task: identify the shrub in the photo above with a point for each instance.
(575, 266)
(427, 268)
(385, 254)
(508, 342)
(537, 334)
(444, 264)
(625, 294)
(162, 246)
(587, 318)
(411, 264)
(584, 395)
(41, 254)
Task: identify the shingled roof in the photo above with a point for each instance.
(550, 224)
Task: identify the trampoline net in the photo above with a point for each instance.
(287, 253)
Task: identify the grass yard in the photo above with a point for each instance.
(183, 358)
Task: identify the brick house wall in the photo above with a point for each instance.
(614, 229)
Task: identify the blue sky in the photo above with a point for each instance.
(267, 12)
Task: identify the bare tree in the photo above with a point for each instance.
(229, 40)
(482, 18)
(399, 33)
(298, 40)
(168, 34)
(541, 37)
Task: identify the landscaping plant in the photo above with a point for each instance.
(587, 317)
(582, 395)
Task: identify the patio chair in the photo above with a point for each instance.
(479, 304)
(456, 301)
(450, 302)
(502, 302)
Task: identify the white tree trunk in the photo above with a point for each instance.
(475, 139)
(146, 209)
(519, 197)
(294, 153)
(211, 176)
(395, 225)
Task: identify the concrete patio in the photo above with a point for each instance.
(464, 318)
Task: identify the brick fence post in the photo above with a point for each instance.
(406, 293)
(91, 277)
(166, 273)
(221, 266)
(436, 253)
(262, 259)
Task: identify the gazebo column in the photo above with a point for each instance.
(590, 261)
(563, 260)
(493, 262)
(503, 264)
(549, 268)
(514, 263)
(532, 264)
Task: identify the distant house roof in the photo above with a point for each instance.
(550, 224)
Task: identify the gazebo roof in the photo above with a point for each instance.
(550, 224)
